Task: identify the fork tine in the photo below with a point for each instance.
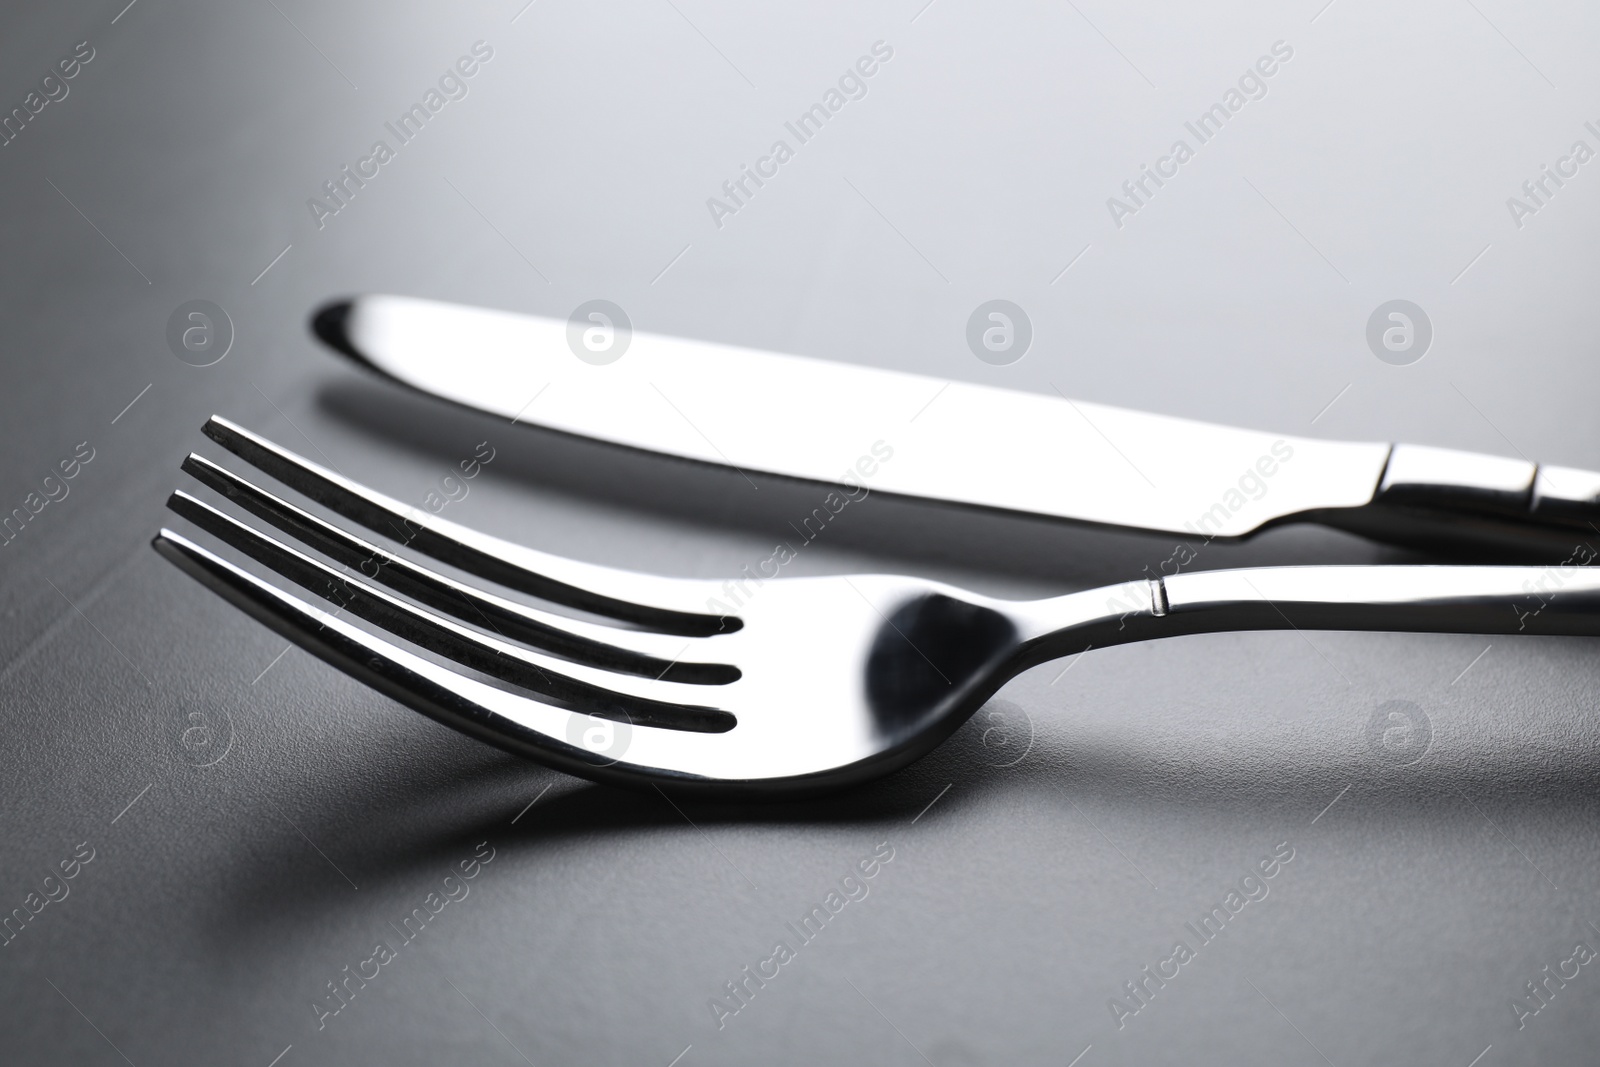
(521, 724)
(615, 696)
(633, 651)
(589, 587)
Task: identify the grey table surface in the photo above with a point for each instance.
(258, 823)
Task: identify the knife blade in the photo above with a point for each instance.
(957, 442)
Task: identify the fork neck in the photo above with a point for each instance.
(1559, 599)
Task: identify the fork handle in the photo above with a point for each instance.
(1560, 599)
(1557, 600)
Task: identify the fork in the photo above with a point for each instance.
(782, 687)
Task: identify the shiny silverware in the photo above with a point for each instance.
(800, 684)
(957, 441)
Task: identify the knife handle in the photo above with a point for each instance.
(1438, 498)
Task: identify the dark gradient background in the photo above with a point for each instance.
(220, 903)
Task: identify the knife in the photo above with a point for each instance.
(889, 431)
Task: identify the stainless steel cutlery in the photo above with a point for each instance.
(957, 441)
(809, 684)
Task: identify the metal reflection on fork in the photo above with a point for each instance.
(812, 684)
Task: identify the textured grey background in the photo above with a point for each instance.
(220, 903)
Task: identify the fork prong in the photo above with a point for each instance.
(588, 587)
(377, 661)
(644, 653)
(616, 696)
